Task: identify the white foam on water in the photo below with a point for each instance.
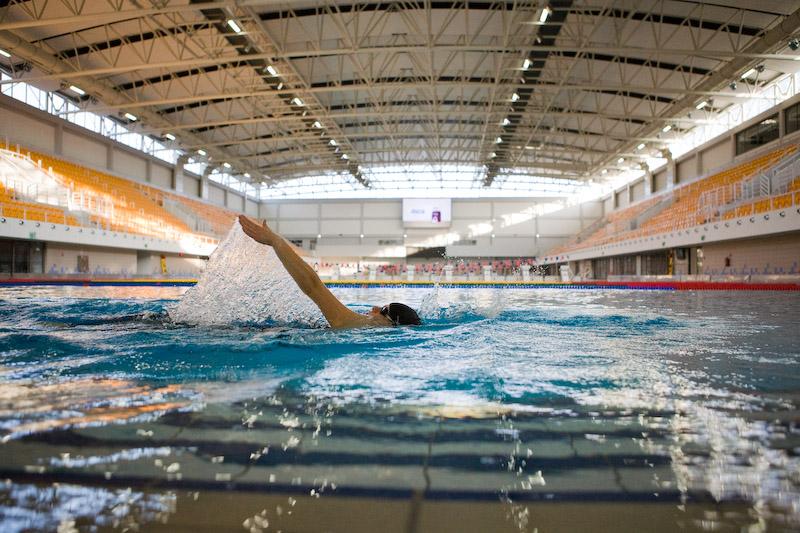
(431, 306)
(245, 284)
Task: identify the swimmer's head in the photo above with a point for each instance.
(399, 314)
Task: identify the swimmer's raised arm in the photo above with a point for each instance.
(337, 314)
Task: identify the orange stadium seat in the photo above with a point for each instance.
(685, 210)
(114, 203)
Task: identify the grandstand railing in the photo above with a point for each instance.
(34, 193)
(727, 200)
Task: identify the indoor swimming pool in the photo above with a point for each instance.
(508, 410)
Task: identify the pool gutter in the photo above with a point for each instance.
(624, 285)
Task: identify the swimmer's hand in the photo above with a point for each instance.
(258, 232)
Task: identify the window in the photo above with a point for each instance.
(22, 257)
(757, 135)
(6, 256)
(623, 265)
(600, 268)
(792, 118)
(655, 264)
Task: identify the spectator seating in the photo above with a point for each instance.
(682, 207)
(118, 204)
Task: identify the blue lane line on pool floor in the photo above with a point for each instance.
(394, 493)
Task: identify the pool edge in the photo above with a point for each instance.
(625, 285)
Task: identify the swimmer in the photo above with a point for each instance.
(337, 314)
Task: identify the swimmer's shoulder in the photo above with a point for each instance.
(356, 320)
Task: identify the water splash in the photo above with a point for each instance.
(429, 308)
(246, 284)
(467, 305)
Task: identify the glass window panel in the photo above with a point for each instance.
(6, 256)
(757, 135)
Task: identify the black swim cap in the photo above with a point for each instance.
(401, 315)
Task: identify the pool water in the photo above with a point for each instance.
(509, 410)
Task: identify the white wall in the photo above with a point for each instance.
(85, 150)
(129, 165)
(26, 130)
(497, 227)
(717, 155)
(251, 207)
(160, 176)
(216, 195)
(63, 259)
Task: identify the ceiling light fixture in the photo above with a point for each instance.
(666, 128)
(201, 152)
(748, 73)
(498, 140)
(271, 70)
(131, 117)
(505, 122)
(641, 145)
(332, 142)
(226, 164)
(4, 53)
(170, 136)
(493, 155)
(526, 64)
(514, 97)
(296, 101)
(247, 175)
(280, 86)
(317, 124)
(234, 26)
(77, 90)
(604, 171)
(345, 156)
(702, 104)
(621, 160)
(545, 15)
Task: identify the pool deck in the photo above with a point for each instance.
(343, 283)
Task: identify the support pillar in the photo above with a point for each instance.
(671, 168)
(648, 180)
(204, 182)
(177, 174)
(59, 139)
(110, 157)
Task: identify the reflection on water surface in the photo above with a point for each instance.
(504, 406)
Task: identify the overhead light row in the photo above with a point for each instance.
(545, 14)
(232, 24)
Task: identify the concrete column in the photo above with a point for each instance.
(648, 180)
(110, 157)
(698, 164)
(177, 174)
(672, 168)
(59, 139)
(204, 182)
